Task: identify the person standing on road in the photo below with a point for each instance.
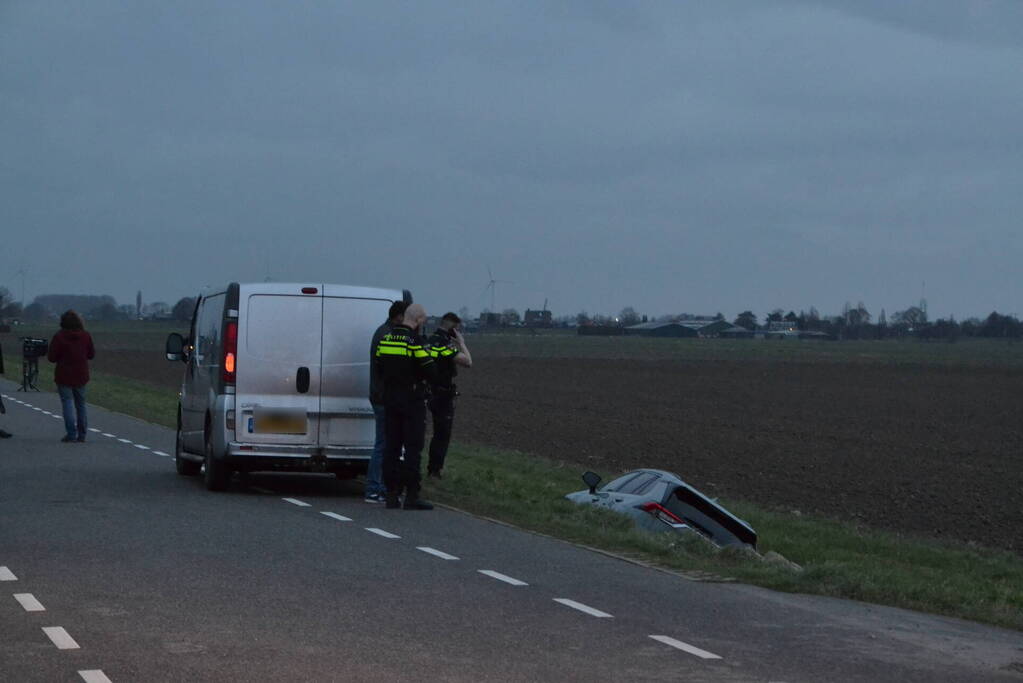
(376, 492)
(448, 347)
(405, 367)
(71, 349)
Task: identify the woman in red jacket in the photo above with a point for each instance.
(71, 349)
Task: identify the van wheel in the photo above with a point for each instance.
(216, 474)
(186, 468)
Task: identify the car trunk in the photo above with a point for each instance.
(278, 378)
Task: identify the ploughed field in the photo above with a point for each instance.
(918, 438)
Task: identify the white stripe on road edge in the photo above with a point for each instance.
(502, 577)
(381, 532)
(334, 515)
(686, 647)
(94, 676)
(60, 638)
(125, 440)
(140, 446)
(581, 607)
(7, 575)
(435, 552)
(94, 430)
(47, 412)
(295, 501)
(161, 453)
(29, 602)
(110, 435)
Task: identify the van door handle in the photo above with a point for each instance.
(302, 380)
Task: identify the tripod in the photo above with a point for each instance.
(29, 373)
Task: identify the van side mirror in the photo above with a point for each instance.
(175, 347)
(591, 479)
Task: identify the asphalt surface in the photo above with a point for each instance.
(152, 578)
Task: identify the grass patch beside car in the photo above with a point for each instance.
(837, 559)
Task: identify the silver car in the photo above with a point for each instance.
(276, 377)
(660, 501)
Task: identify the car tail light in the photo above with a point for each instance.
(230, 420)
(662, 513)
(230, 351)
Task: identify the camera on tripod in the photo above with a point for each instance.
(32, 349)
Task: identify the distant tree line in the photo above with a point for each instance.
(48, 307)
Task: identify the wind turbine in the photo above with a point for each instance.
(492, 286)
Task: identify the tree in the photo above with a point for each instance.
(746, 319)
(36, 312)
(105, 311)
(911, 316)
(775, 316)
(183, 309)
(582, 318)
(628, 316)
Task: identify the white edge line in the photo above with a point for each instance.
(381, 532)
(112, 436)
(141, 447)
(436, 553)
(161, 453)
(29, 602)
(502, 577)
(61, 638)
(582, 608)
(334, 515)
(94, 430)
(7, 575)
(686, 647)
(94, 676)
(296, 501)
(125, 440)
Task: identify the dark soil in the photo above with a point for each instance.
(930, 451)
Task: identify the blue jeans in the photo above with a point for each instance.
(72, 403)
(375, 472)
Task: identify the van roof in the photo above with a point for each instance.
(354, 291)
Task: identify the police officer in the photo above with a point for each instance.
(405, 367)
(375, 490)
(448, 347)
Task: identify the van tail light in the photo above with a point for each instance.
(230, 351)
(662, 513)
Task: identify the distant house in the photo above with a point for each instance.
(735, 332)
(666, 329)
(538, 318)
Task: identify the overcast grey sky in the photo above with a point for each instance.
(676, 156)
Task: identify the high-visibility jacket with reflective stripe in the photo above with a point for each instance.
(404, 365)
(443, 350)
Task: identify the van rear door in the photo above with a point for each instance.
(278, 376)
(350, 317)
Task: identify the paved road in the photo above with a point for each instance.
(142, 575)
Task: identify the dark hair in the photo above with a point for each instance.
(397, 308)
(71, 321)
(452, 317)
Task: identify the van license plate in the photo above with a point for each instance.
(280, 423)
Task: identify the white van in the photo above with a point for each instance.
(277, 378)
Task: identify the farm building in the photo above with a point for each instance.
(736, 332)
(538, 318)
(661, 330)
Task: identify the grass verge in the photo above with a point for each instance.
(838, 559)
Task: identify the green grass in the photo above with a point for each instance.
(838, 559)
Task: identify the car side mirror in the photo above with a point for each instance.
(175, 347)
(591, 479)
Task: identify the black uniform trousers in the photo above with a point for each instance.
(442, 406)
(405, 426)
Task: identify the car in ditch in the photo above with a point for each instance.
(660, 501)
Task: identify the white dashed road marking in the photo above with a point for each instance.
(60, 638)
(381, 532)
(29, 602)
(94, 676)
(436, 553)
(94, 430)
(296, 501)
(141, 447)
(110, 435)
(686, 647)
(502, 577)
(125, 440)
(582, 608)
(7, 575)
(334, 515)
(161, 454)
